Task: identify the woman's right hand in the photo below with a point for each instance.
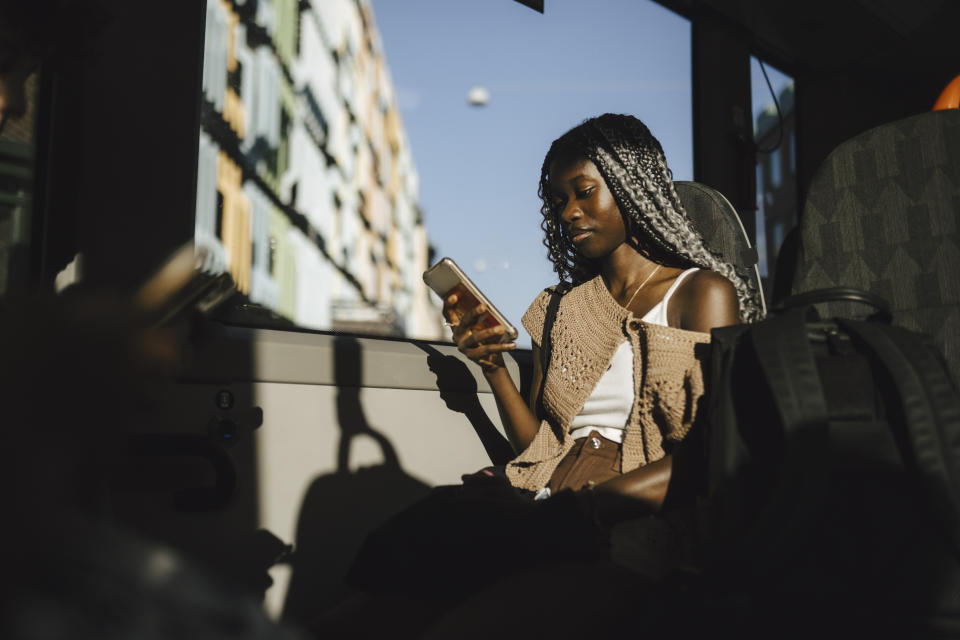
(481, 345)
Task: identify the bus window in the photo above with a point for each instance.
(17, 144)
(774, 130)
(481, 112)
(343, 144)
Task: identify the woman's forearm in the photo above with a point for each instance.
(486, 347)
(518, 420)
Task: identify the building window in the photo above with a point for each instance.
(775, 176)
(272, 256)
(235, 78)
(219, 227)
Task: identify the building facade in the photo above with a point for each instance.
(307, 191)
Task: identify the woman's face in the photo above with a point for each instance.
(585, 208)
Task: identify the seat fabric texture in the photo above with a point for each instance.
(882, 215)
(718, 223)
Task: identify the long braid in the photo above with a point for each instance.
(634, 167)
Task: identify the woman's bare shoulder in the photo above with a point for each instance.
(707, 300)
(707, 282)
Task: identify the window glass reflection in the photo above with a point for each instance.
(17, 147)
(346, 144)
(775, 138)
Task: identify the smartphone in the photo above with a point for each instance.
(446, 278)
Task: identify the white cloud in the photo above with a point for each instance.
(407, 99)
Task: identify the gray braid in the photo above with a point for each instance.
(635, 170)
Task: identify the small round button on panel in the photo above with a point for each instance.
(224, 430)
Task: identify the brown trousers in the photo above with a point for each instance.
(592, 459)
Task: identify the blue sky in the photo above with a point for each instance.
(479, 166)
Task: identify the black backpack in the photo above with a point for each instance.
(834, 474)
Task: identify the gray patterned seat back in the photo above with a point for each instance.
(882, 215)
(723, 233)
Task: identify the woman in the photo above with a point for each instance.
(620, 391)
(624, 378)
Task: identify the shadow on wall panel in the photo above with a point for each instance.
(339, 509)
(458, 390)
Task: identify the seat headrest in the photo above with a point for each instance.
(717, 221)
(950, 98)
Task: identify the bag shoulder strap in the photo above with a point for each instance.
(930, 446)
(930, 422)
(786, 360)
(546, 343)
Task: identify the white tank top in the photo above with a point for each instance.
(607, 409)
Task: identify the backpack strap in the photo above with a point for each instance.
(930, 446)
(783, 352)
(927, 433)
(546, 343)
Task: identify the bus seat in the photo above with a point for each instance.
(784, 265)
(882, 214)
(950, 98)
(717, 221)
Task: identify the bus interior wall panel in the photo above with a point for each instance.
(124, 123)
(339, 429)
(41, 184)
(832, 35)
(842, 105)
(857, 65)
(722, 129)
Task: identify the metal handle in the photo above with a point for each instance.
(838, 294)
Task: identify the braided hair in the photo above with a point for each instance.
(635, 170)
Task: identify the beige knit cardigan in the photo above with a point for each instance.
(667, 374)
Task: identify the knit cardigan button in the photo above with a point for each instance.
(635, 325)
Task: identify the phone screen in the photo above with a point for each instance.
(446, 279)
(467, 301)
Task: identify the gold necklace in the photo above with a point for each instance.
(637, 290)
